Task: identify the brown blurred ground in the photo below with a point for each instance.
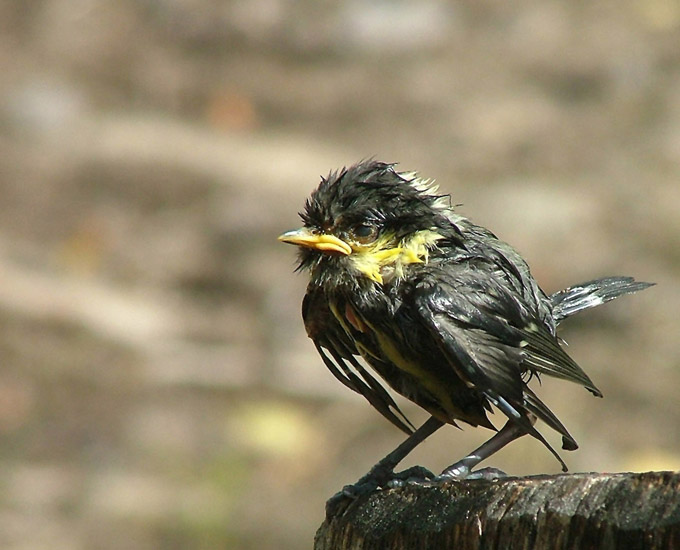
(157, 389)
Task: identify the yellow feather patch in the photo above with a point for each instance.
(385, 259)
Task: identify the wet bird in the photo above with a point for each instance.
(446, 314)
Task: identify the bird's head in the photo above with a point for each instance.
(368, 222)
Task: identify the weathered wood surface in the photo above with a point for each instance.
(573, 511)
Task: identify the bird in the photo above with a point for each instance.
(404, 289)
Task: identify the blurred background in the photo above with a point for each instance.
(157, 389)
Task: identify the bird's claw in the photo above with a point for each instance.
(340, 501)
(415, 475)
(488, 474)
(376, 479)
(463, 472)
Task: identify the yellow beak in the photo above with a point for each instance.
(325, 243)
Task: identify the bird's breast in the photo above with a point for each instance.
(404, 357)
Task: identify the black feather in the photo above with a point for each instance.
(576, 298)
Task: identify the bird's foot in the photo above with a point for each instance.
(414, 474)
(458, 472)
(461, 471)
(487, 474)
(378, 477)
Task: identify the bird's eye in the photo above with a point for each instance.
(364, 233)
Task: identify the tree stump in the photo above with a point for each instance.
(569, 511)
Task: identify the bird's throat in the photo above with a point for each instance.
(383, 261)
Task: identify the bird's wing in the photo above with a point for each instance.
(493, 341)
(339, 354)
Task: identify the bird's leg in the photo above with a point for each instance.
(463, 468)
(383, 473)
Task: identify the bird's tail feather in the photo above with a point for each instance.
(576, 298)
